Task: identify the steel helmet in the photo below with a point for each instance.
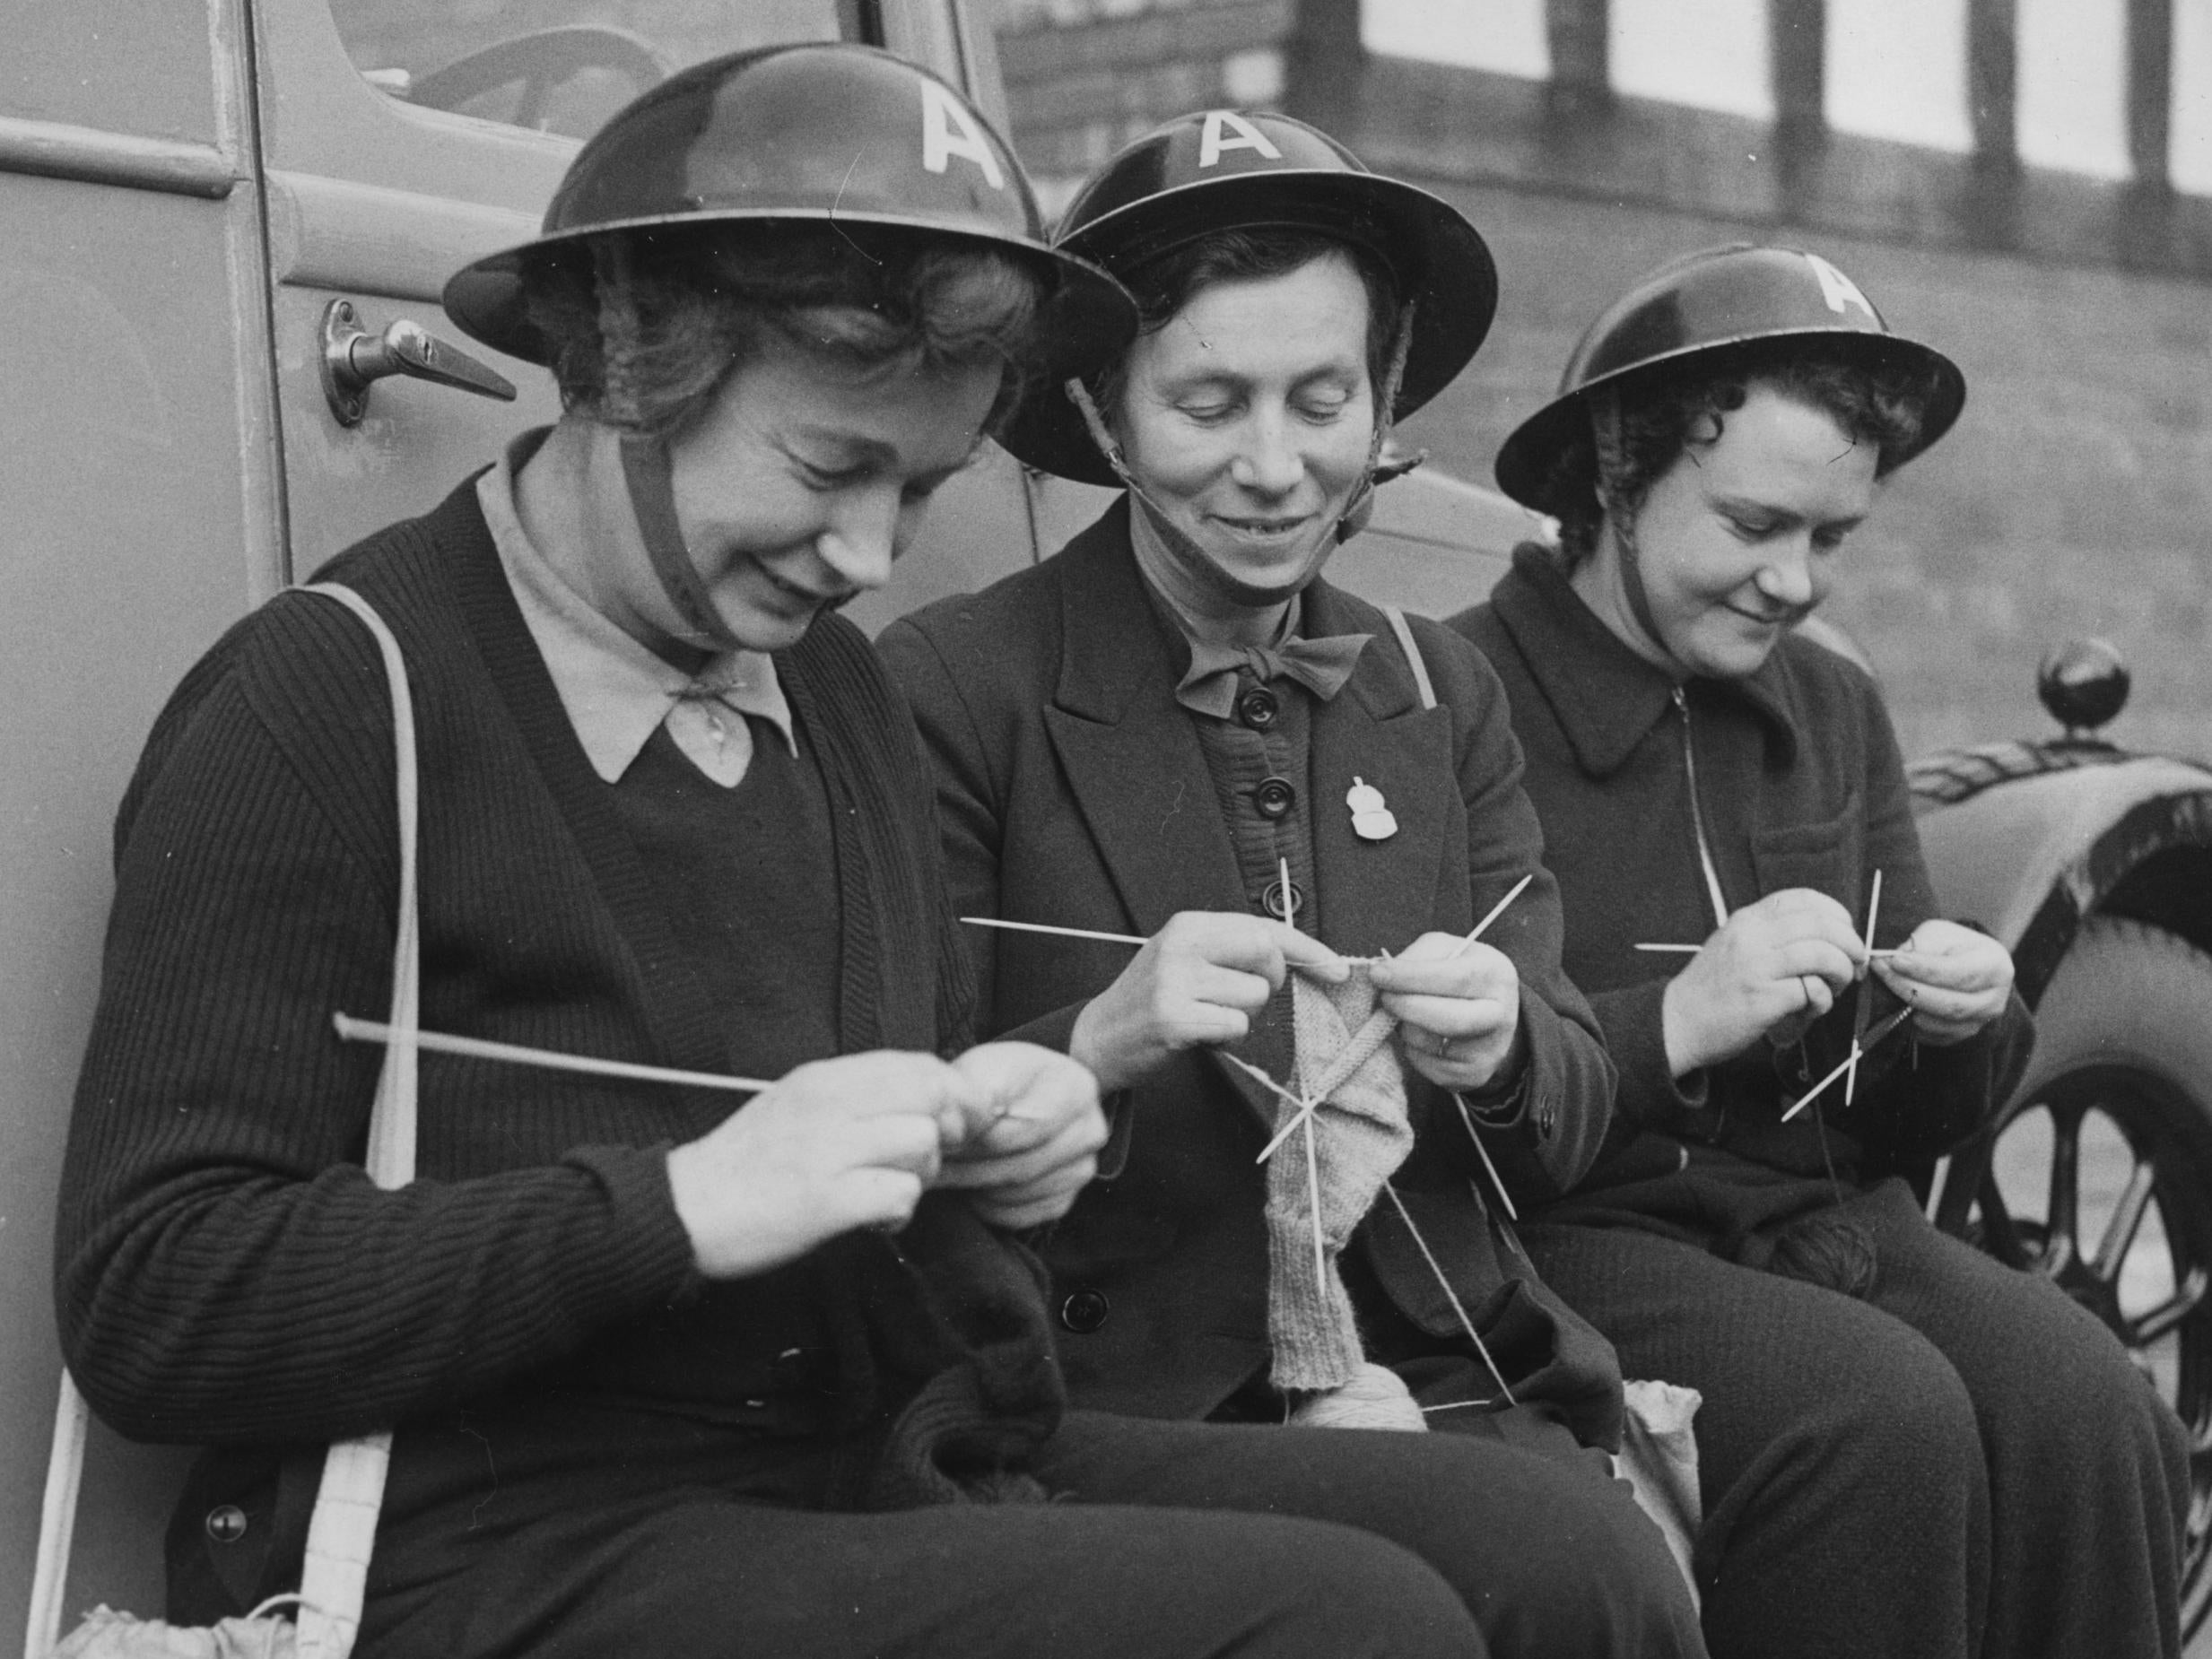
(825, 132)
(1221, 168)
(1708, 302)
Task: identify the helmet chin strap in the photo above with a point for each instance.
(1358, 508)
(649, 474)
(1605, 429)
(649, 471)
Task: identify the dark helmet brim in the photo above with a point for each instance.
(802, 134)
(1438, 259)
(1692, 316)
(1086, 316)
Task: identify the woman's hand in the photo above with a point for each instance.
(1775, 968)
(1031, 1132)
(833, 1146)
(1956, 979)
(1197, 981)
(1458, 1009)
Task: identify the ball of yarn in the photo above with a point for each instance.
(1375, 1398)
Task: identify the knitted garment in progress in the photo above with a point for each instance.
(1353, 1143)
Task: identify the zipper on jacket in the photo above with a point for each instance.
(1697, 816)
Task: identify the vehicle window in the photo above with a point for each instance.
(555, 66)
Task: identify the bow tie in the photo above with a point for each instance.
(1209, 686)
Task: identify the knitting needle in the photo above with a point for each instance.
(1873, 1037)
(514, 1054)
(1468, 1118)
(1314, 1156)
(1496, 910)
(1450, 1295)
(1866, 998)
(1692, 950)
(1063, 933)
(1305, 1108)
(1314, 1192)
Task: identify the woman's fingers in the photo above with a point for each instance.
(1309, 955)
(1450, 1018)
(871, 1197)
(1814, 957)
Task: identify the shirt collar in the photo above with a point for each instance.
(616, 692)
(1607, 697)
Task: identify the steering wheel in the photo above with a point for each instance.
(541, 61)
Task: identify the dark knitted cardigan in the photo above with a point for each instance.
(1801, 785)
(226, 1274)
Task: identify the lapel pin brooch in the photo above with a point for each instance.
(1371, 818)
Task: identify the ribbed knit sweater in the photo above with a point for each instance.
(226, 1274)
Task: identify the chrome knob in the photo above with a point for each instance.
(2083, 683)
(354, 359)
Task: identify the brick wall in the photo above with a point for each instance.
(1086, 76)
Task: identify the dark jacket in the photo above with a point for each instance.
(1072, 791)
(226, 1274)
(1801, 785)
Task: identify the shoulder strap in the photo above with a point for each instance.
(1406, 643)
(346, 1506)
(343, 1532)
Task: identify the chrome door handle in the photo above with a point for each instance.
(354, 359)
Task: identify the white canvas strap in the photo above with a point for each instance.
(343, 1531)
(342, 1534)
(1404, 630)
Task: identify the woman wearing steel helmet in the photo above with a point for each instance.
(1906, 1448)
(1174, 728)
(664, 1378)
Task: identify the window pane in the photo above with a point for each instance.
(1506, 36)
(2191, 145)
(2073, 77)
(1897, 69)
(1711, 53)
(558, 66)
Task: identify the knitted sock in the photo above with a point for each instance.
(1360, 1135)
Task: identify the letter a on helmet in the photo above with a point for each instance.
(1211, 141)
(941, 114)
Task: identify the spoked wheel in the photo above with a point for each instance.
(2101, 1179)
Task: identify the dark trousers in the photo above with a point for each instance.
(1964, 1464)
(1167, 1540)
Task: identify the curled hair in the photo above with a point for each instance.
(645, 329)
(1165, 283)
(1651, 420)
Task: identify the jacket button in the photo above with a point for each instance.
(791, 1368)
(226, 1524)
(1274, 796)
(1258, 709)
(1084, 1311)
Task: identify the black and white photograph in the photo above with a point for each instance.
(1106, 829)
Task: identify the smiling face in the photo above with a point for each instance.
(1247, 419)
(1735, 542)
(802, 482)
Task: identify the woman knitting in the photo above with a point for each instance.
(1174, 729)
(1905, 1449)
